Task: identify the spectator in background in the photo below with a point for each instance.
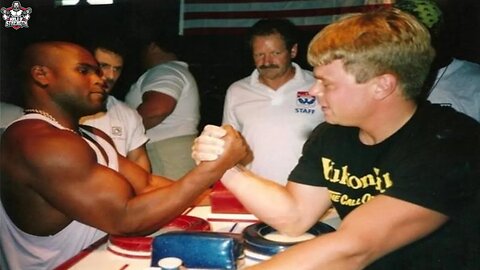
(8, 113)
(167, 98)
(272, 107)
(122, 123)
(453, 82)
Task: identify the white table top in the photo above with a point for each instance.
(98, 257)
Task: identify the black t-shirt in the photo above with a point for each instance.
(432, 161)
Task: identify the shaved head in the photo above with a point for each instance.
(46, 54)
(64, 75)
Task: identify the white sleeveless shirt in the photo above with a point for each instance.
(20, 250)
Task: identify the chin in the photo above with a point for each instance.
(96, 109)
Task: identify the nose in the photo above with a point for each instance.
(99, 79)
(268, 59)
(316, 89)
(108, 73)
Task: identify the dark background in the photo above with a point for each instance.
(215, 60)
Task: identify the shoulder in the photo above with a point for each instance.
(171, 67)
(326, 129)
(467, 67)
(38, 144)
(163, 73)
(121, 106)
(160, 70)
(303, 74)
(327, 134)
(241, 85)
(441, 134)
(439, 119)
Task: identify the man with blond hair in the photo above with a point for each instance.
(403, 175)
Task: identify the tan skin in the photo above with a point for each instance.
(111, 65)
(273, 60)
(46, 185)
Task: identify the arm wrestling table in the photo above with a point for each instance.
(97, 256)
(228, 216)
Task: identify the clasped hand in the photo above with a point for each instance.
(221, 142)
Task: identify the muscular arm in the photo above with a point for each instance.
(71, 183)
(374, 229)
(155, 108)
(139, 156)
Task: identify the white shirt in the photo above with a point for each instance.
(122, 123)
(458, 85)
(9, 113)
(275, 123)
(174, 79)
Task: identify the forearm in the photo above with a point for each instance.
(155, 107)
(140, 157)
(152, 121)
(263, 198)
(363, 237)
(157, 206)
(329, 251)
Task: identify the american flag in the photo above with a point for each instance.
(234, 17)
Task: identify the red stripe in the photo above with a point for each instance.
(232, 2)
(132, 256)
(239, 30)
(277, 14)
(82, 254)
(234, 220)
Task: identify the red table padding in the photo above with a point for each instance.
(223, 201)
(181, 223)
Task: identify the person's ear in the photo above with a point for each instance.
(40, 75)
(294, 51)
(385, 85)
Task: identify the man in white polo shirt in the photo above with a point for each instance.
(272, 107)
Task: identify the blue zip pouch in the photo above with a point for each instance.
(200, 250)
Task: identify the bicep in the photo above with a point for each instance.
(140, 157)
(72, 181)
(385, 224)
(156, 104)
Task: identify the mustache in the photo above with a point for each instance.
(268, 66)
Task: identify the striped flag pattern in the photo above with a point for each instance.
(234, 17)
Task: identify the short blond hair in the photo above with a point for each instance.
(375, 43)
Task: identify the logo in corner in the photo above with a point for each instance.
(16, 16)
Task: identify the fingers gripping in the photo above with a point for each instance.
(209, 145)
(214, 131)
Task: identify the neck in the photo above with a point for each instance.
(60, 118)
(386, 122)
(158, 58)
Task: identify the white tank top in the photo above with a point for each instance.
(20, 250)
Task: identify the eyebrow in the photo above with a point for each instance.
(87, 65)
(110, 65)
(318, 77)
(90, 66)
